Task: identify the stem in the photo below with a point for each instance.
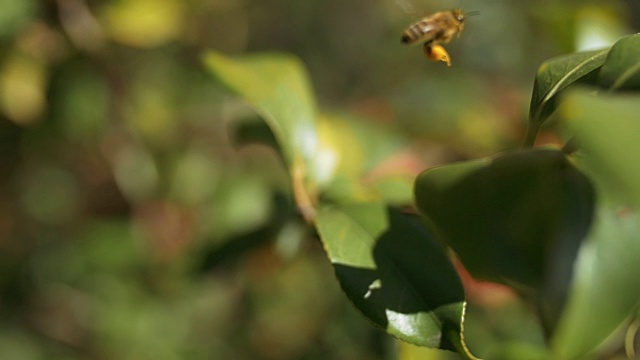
(531, 134)
(629, 339)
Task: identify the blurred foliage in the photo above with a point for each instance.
(138, 221)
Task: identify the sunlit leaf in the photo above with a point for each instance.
(621, 70)
(369, 143)
(277, 87)
(362, 161)
(407, 351)
(341, 150)
(395, 273)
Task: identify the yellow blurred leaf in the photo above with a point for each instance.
(152, 115)
(22, 88)
(144, 23)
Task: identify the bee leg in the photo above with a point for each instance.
(436, 53)
(460, 28)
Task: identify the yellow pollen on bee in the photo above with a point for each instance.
(437, 53)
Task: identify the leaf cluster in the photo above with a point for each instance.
(559, 227)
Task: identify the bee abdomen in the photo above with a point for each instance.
(413, 34)
(407, 39)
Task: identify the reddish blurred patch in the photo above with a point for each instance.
(167, 227)
(483, 293)
(401, 163)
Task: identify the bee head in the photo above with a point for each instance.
(458, 14)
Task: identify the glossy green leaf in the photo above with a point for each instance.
(277, 87)
(517, 220)
(556, 74)
(395, 273)
(606, 128)
(621, 70)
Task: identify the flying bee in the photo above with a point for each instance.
(434, 30)
(437, 28)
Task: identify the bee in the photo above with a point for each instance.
(434, 30)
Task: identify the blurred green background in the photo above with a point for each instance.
(133, 227)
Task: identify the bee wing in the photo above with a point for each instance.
(426, 28)
(406, 6)
(436, 27)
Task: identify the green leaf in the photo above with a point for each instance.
(397, 190)
(277, 87)
(606, 128)
(246, 132)
(606, 287)
(369, 161)
(556, 74)
(621, 70)
(395, 273)
(517, 220)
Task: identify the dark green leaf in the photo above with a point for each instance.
(621, 70)
(395, 273)
(248, 131)
(517, 220)
(556, 74)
